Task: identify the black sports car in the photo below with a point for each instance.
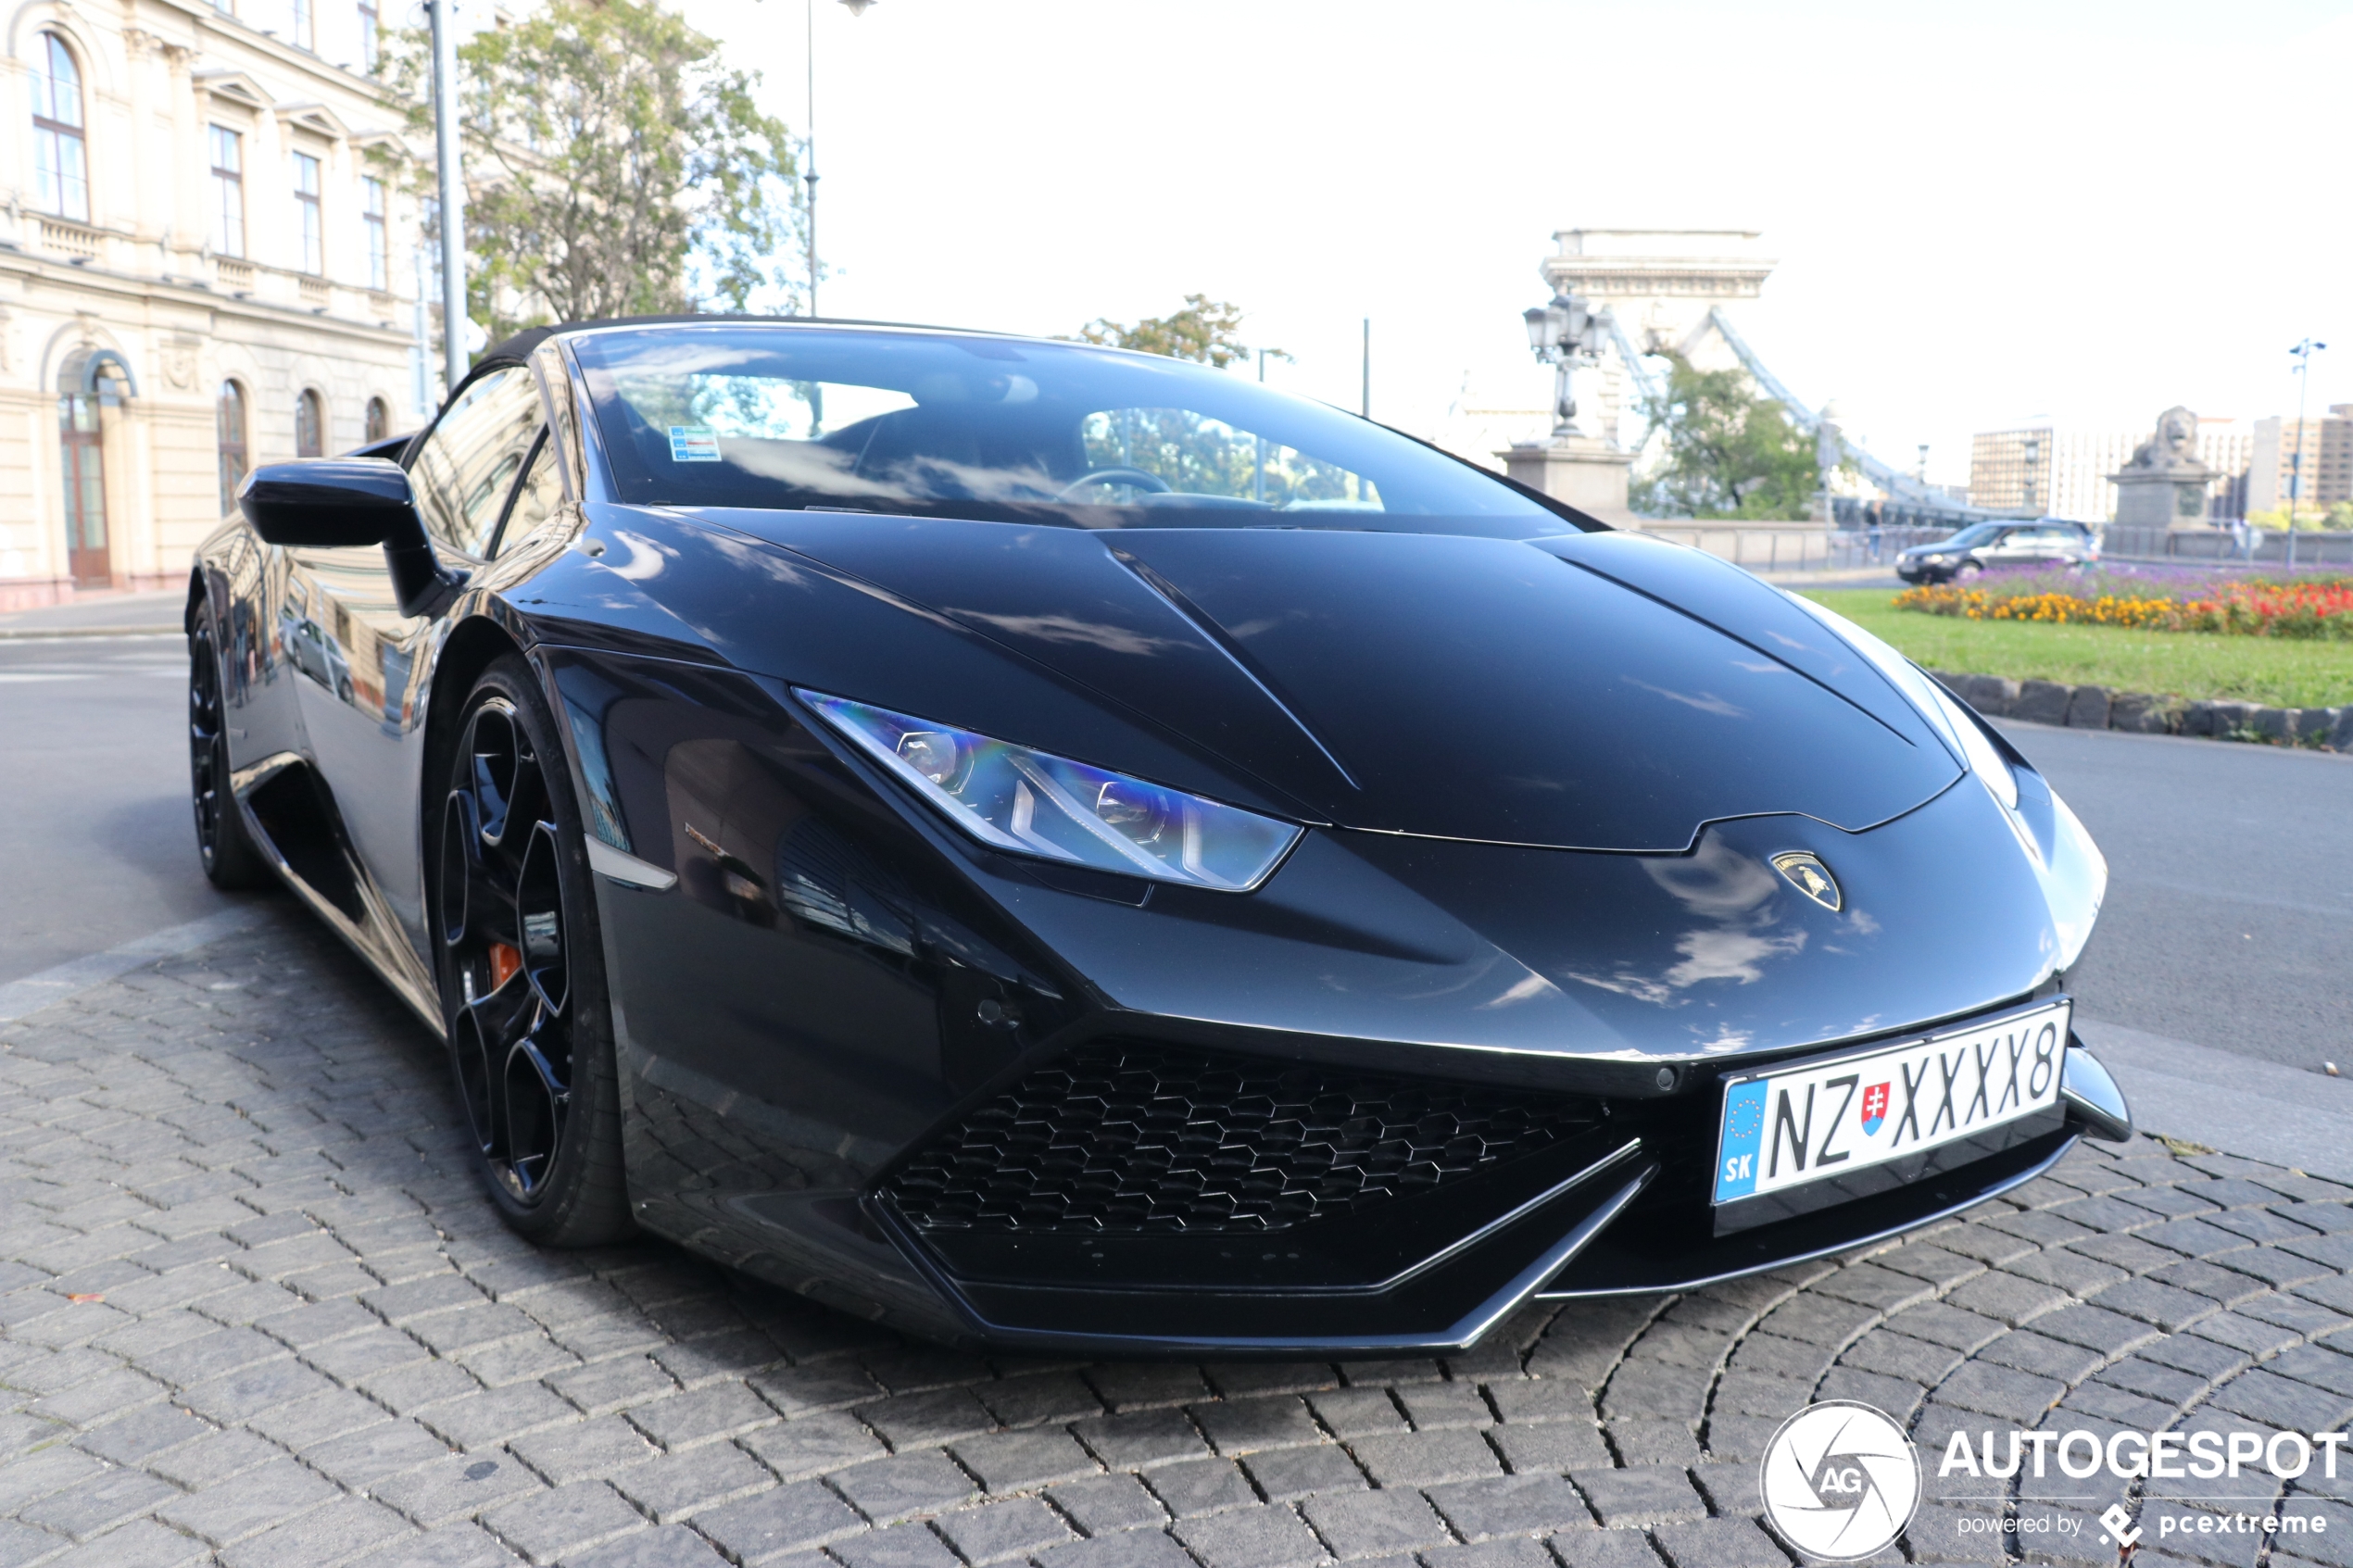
(1064, 848)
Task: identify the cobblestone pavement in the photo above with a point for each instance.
(252, 1307)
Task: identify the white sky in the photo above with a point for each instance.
(1982, 212)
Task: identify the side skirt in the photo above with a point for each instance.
(292, 816)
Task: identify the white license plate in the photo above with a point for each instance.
(1812, 1121)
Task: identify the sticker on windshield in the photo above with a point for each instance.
(693, 443)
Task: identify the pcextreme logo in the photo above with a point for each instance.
(1840, 1481)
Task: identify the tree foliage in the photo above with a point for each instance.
(1207, 330)
(1732, 451)
(614, 167)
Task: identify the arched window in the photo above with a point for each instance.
(379, 422)
(60, 158)
(230, 418)
(310, 426)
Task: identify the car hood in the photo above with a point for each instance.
(1594, 692)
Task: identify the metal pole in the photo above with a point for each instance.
(1367, 409)
(2303, 352)
(810, 137)
(1258, 445)
(453, 190)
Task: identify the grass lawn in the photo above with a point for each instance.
(2192, 665)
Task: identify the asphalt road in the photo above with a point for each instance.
(2229, 921)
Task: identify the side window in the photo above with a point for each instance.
(463, 471)
(541, 492)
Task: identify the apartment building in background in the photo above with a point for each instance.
(200, 271)
(2328, 461)
(2054, 469)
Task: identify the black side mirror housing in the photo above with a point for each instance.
(337, 502)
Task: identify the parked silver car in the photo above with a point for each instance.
(2048, 541)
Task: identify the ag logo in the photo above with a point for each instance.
(1840, 1481)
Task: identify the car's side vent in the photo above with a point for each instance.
(1126, 1136)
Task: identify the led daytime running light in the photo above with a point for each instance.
(1029, 802)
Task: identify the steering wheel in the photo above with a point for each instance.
(1136, 477)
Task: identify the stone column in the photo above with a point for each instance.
(1584, 470)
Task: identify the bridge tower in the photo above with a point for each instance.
(1663, 287)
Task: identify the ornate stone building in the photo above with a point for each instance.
(199, 272)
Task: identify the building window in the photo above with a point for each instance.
(310, 426)
(228, 192)
(370, 49)
(371, 195)
(306, 174)
(379, 420)
(60, 158)
(305, 28)
(230, 417)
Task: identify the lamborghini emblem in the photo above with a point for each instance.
(1809, 876)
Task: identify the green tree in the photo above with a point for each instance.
(1732, 451)
(1207, 330)
(614, 167)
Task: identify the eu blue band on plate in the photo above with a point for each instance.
(1743, 1139)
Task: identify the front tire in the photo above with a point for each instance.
(1967, 572)
(232, 860)
(522, 971)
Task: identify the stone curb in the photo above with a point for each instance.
(2097, 708)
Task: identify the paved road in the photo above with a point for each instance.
(254, 1312)
(2230, 915)
(94, 774)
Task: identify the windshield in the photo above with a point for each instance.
(1970, 538)
(936, 425)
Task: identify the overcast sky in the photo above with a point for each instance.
(1981, 211)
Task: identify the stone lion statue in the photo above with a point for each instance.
(2174, 447)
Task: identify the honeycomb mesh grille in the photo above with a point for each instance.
(1131, 1137)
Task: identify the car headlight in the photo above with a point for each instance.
(1028, 802)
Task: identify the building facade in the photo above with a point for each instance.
(2327, 461)
(201, 268)
(2054, 469)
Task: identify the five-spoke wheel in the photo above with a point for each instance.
(532, 1054)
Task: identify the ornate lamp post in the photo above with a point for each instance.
(1564, 334)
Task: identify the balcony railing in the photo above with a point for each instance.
(69, 238)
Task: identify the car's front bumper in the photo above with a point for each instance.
(1622, 1208)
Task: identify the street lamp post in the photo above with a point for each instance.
(809, 173)
(1564, 334)
(2303, 352)
(453, 192)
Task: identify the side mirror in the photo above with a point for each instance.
(331, 502)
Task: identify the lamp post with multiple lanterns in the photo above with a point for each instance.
(1565, 333)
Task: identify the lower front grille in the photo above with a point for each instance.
(1142, 1139)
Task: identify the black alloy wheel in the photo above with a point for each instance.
(522, 972)
(231, 858)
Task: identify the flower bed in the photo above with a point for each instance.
(2317, 607)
